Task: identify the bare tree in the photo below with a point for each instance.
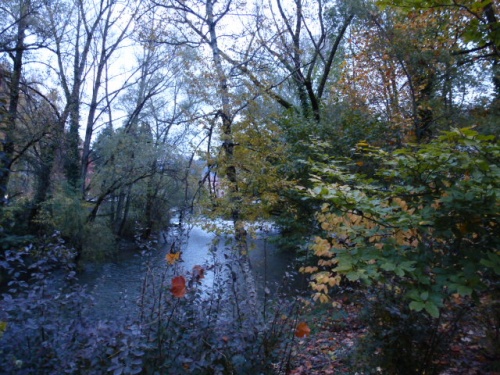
(86, 34)
(303, 38)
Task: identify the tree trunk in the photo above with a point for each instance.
(12, 112)
(126, 209)
(230, 168)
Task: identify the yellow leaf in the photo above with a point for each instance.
(323, 298)
(3, 327)
(308, 269)
(172, 257)
(335, 280)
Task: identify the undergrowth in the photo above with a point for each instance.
(46, 324)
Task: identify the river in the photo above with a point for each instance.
(116, 286)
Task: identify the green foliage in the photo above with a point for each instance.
(263, 181)
(66, 213)
(98, 241)
(351, 125)
(421, 234)
(14, 225)
(343, 125)
(426, 224)
(135, 181)
(400, 340)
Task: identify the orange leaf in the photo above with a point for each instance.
(302, 330)
(198, 273)
(178, 286)
(172, 257)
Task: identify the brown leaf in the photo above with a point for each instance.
(302, 330)
(178, 286)
(198, 272)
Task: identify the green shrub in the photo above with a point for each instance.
(401, 340)
(66, 213)
(98, 241)
(424, 230)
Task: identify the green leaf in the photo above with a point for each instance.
(354, 276)
(399, 272)
(417, 306)
(388, 266)
(464, 290)
(432, 309)
(424, 296)
(343, 268)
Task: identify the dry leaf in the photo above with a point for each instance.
(178, 286)
(198, 272)
(172, 257)
(302, 330)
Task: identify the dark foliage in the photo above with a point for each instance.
(47, 325)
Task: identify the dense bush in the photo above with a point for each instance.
(403, 341)
(45, 317)
(424, 228)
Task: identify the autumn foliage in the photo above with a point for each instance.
(198, 273)
(171, 258)
(178, 286)
(426, 224)
(302, 330)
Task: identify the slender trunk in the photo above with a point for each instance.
(118, 213)
(151, 195)
(489, 12)
(7, 143)
(230, 169)
(72, 165)
(123, 221)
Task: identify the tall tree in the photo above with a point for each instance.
(303, 39)
(86, 34)
(199, 23)
(20, 18)
(480, 28)
(135, 163)
(406, 68)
